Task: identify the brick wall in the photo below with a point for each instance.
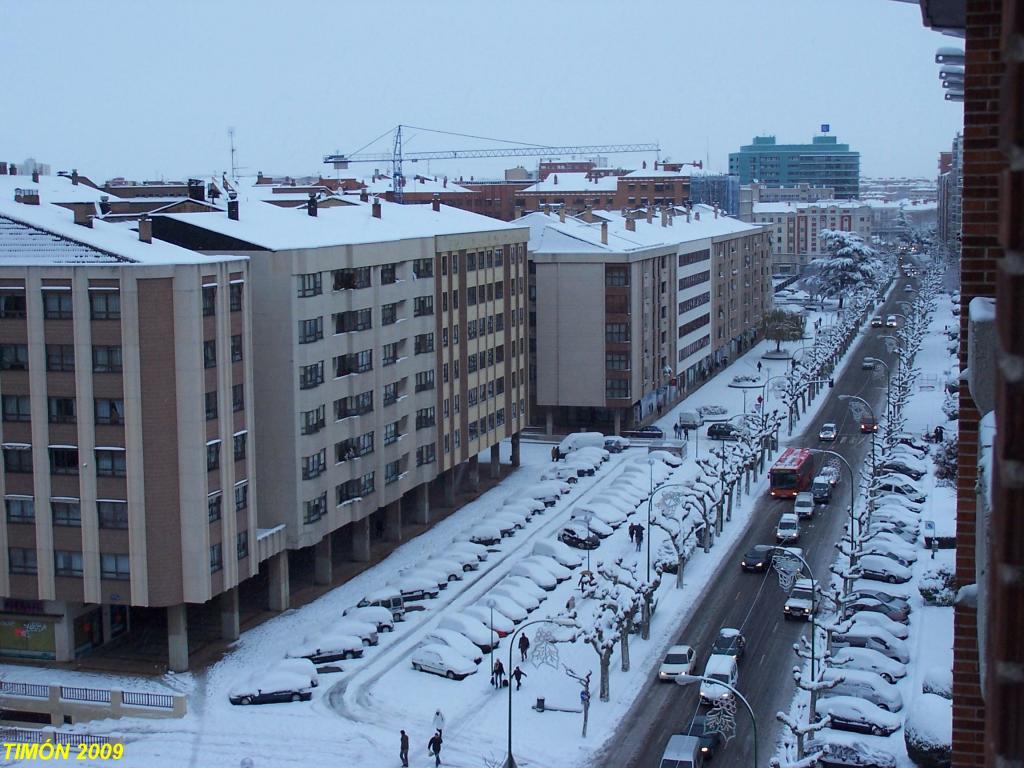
(983, 164)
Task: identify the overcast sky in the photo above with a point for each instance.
(148, 89)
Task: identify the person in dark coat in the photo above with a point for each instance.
(554, 453)
(639, 536)
(518, 674)
(434, 747)
(632, 531)
(524, 646)
(403, 749)
(499, 673)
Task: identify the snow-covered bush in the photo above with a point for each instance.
(928, 731)
(938, 680)
(937, 585)
(945, 458)
(951, 406)
(746, 379)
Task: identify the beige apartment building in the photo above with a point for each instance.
(631, 309)
(796, 227)
(126, 383)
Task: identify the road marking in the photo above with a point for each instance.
(763, 656)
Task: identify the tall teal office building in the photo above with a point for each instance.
(822, 163)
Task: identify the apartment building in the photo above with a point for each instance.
(392, 352)
(795, 228)
(822, 163)
(630, 309)
(126, 382)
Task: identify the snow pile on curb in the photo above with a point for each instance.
(928, 731)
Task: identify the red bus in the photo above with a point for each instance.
(792, 473)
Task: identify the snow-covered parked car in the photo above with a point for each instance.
(875, 619)
(504, 591)
(328, 647)
(576, 535)
(904, 465)
(630, 498)
(472, 628)
(470, 548)
(591, 453)
(873, 638)
(869, 660)
(904, 555)
(484, 534)
(897, 516)
(382, 618)
(879, 568)
(532, 506)
(616, 443)
(608, 513)
(524, 584)
(549, 491)
(442, 660)
(908, 535)
(894, 611)
(849, 713)
(867, 685)
(506, 606)
(271, 686)
(569, 472)
(427, 573)
(452, 567)
(417, 588)
(364, 630)
(895, 484)
(508, 516)
(847, 753)
(562, 554)
(499, 622)
(457, 641)
(301, 666)
(595, 524)
(665, 457)
(389, 598)
(896, 499)
(537, 574)
(560, 572)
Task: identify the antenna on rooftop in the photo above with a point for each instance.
(231, 138)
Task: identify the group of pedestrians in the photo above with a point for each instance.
(433, 746)
(498, 674)
(636, 534)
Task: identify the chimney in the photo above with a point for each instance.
(716, 210)
(35, 176)
(376, 207)
(26, 196)
(561, 214)
(83, 216)
(233, 206)
(696, 215)
(14, 170)
(446, 182)
(74, 176)
(588, 213)
(196, 190)
(145, 229)
(604, 233)
(650, 214)
(556, 179)
(645, 165)
(104, 205)
(364, 196)
(259, 177)
(435, 203)
(631, 224)
(311, 204)
(3, 167)
(664, 217)
(687, 215)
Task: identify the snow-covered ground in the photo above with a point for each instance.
(355, 715)
(930, 640)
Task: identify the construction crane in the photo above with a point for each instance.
(396, 157)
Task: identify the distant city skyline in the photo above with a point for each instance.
(699, 80)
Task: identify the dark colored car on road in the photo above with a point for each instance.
(757, 559)
(730, 642)
(868, 424)
(573, 536)
(724, 431)
(710, 742)
(649, 431)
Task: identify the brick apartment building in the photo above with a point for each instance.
(796, 228)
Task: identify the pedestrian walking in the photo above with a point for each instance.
(524, 645)
(632, 531)
(686, 432)
(499, 674)
(639, 536)
(554, 453)
(570, 604)
(438, 721)
(403, 748)
(518, 674)
(758, 366)
(434, 748)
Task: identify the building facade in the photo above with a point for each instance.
(822, 163)
(795, 229)
(950, 194)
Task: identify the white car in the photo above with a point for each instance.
(721, 668)
(889, 539)
(874, 638)
(679, 660)
(327, 648)
(520, 596)
(364, 630)
(874, 619)
(592, 452)
(904, 555)
(442, 660)
(427, 573)
(300, 666)
(382, 618)
(849, 713)
(909, 535)
(524, 584)
(560, 572)
(562, 554)
(665, 457)
(452, 567)
(497, 621)
(457, 641)
(569, 472)
(869, 660)
(549, 491)
(417, 588)
(788, 528)
(507, 607)
(483, 534)
(879, 568)
(607, 513)
(897, 484)
(803, 504)
(828, 431)
(467, 560)
(596, 525)
(867, 685)
(535, 505)
(900, 501)
(471, 627)
(508, 516)
(535, 573)
(476, 550)
(527, 511)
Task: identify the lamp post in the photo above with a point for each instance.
(690, 679)
(650, 498)
(874, 421)
(853, 494)
(586, 516)
(814, 599)
(510, 762)
(490, 604)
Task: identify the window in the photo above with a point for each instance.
(355, 320)
(349, 279)
(314, 509)
(237, 398)
(241, 495)
(694, 280)
(309, 285)
(471, 296)
(110, 411)
(311, 330)
(356, 405)
(21, 509)
(211, 405)
(21, 560)
(315, 465)
(390, 353)
(423, 267)
(425, 418)
(209, 353)
(499, 386)
(388, 274)
(64, 460)
(239, 445)
(499, 289)
(57, 305)
(214, 506)
(499, 257)
(359, 362)
(616, 304)
(115, 566)
(216, 558)
(60, 357)
(444, 373)
(392, 471)
(110, 462)
(616, 388)
(209, 300)
(455, 264)
(616, 332)
(499, 322)
(18, 459)
(391, 433)
(242, 543)
(501, 416)
(12, 305)
(616, 277)
(389, 314)
(311, 376)
(423, 305)
(471, 262)
(424, 380)
(67, 563)
(616, 361)
(235, 296)
(105, 305)
(236, 348)
(471, 396)
(471, 364)
(424, 342)
(426, 454)
(17, 407)
(106, 359)
(14, 357)
(391, 393)
(212, 455)
(112, 514)
(355, 489)
(471, 330)
(67, 512)
(313, 421)
(353, 448)
(444, 338)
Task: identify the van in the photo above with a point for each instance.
(690, 420)
(802, 602)
(821, 490)
(578, 440)
(803, 504)
(788, 528)
(722, 668)
(389, 598)
(682, 752)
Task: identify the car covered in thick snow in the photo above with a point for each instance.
(508, 592)
(468, 547)
(847, 753)
(899, 485)
(595, 524)
(415, 588)
(666, 458)
(364, 630)
(902, 554)
(892, 611)
(328, 647)
(272, 686)
(457, 641)
(484, 534)
(908, 535)
(301, 666)
(875, 619)
(525, 584)
(569, 472)
(560, 572)
(497, 621)
(382, 618)
(616, 443)
(849, 713)
(867, 685)
(576, 535)
(442, 660)
(453, 565)
(471, 627)
(872, 638)
(507, 607)
(869, 660)
(879, 568)
(607, 513)
(562, 554)
(539, 575)
(548, 491)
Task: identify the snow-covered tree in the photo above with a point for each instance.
(623, 580)
(584, 681)
(681, 523)
(780, 325)
(848, 264)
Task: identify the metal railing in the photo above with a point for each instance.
(161, 700)
(85, 694)
(32, 736)
(25, 689)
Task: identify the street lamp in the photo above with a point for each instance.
(814, 598)
(490, 604)
(650, 460)
(510, 762)
(856, 412)
(587, 514)
(690, 679)
(853, 494)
